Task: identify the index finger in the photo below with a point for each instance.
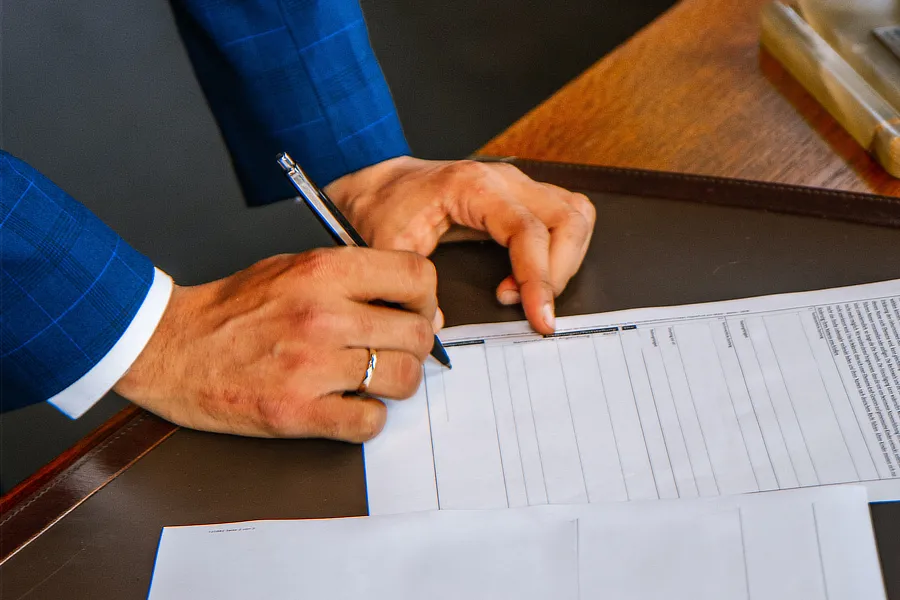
(528, 241)
(400, 277)
(570, 219)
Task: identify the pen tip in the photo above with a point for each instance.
(439, 353)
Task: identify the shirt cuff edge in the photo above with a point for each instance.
(76, 399)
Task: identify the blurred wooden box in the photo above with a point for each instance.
(830, 48)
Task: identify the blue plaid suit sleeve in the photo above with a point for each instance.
(280, 75)
(69, 287)
(291, 75)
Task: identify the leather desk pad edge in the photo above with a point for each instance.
(869, 209)
(136, 433)
(26, 516)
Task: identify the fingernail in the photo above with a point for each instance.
(510, 297)
(549, 317)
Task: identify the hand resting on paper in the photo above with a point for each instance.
(411, 204)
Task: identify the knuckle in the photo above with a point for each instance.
(314, 262)
(427, 273)
(303, 321)
(467, 169)
(368, 423)
(322, 423)
(578, 224)
(423, 337)
(320, 263)
(287, 358)
(584, 206)
(506, 167)
(532, 227)
(412, 264)
(275, 261)
(365, 326)
(422, 271)
(275, 416)
(318, 322)
(466, 178)
(409, 375)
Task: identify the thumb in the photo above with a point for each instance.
(508, 291)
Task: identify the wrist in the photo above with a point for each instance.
(147, 374)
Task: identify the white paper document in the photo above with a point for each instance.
(815, 544)
(500, 554)
(811, 544)
(767, 393)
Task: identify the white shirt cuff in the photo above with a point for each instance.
(76, 399)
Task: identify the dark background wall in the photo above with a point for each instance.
(99, 95)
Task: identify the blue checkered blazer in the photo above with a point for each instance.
(279, 75)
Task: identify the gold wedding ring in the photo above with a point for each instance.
(370, 372)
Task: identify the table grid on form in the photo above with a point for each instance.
(668, 410)
(686, 406)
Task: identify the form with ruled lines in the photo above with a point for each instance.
(749, 395)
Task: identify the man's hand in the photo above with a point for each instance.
(411, 204)
(275, 349)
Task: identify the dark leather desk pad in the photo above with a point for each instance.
(646, 252)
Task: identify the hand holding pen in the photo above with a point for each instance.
(343, 234)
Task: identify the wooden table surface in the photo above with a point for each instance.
(694, 93)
